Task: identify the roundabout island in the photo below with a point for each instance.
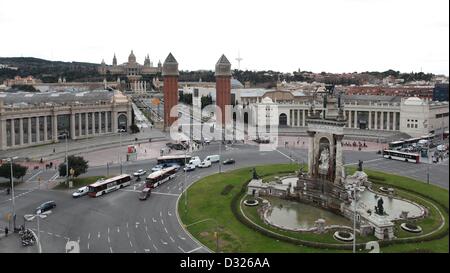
(217, 217)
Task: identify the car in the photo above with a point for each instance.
(165, 165)
(228, 161)
(139, 173)
(80, 192)
(158, 167)
(189, 167)
(175, 165)
(45, 207)
(212, 158)
(205, 164)
(145, 193)
(195, 160)
(206, 140)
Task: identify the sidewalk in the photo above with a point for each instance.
(12, 244)
(58, 150)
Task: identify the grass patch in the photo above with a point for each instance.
(79, 182)
(209, 213)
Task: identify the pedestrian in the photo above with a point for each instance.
(6, 231)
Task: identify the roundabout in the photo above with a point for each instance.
(238, 227)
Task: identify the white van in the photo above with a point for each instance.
(213, 158)
(423, 142)
(195, 160)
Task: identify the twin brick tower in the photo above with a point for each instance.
(223, 87)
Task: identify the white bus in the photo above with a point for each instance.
(407, 157)
(159, 177)
(108, 185)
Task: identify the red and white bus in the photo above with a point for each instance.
(157, 178)
(108, 185)
(397, 155)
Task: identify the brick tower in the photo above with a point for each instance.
(223, 86)
(170, 75)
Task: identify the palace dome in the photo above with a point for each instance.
(413, 101)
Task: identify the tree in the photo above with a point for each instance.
(77, 163)
(19, 171)
(206, 100)
(134, 129)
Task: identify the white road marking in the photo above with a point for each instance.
(98, 235)
(108, 230)
(164, 243)
(144, 220)
(160, 214)
(153, 219)
(162, 222)
(89, 236)
(118, 229)
(164, 193)
(131, 244)
(165, 229)
(29, 179)
(182, 238)
(195, 249)
(127, 224)
(88, 245)
(155, 247)
(49, 233)
(168, 212)
(179, 247)
(128, 234)
(110, 250)
(57, 235)
(109, 241)
(170, 237)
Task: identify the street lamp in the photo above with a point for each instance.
(355, 198)
(30, 217)
(120, 148)
(11, 161)
(65, 134)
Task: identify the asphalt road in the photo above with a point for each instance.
(119, 222)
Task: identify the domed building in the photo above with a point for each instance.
(132, 71)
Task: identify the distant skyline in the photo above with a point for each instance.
(322, 35)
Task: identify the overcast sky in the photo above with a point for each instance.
(284, 35)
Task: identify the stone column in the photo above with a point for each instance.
(304, 117)
(339, 163)
(356, 119)
(38, 132)
(115, 126)
(100, 122)
(80, 133)
(3, 134)
(55, 128)
(93, 124)
(311, 153)
(370, 120)
(29, 131)
(21, 131)
(349, 119)
(388, 116)
(86, 122)
(72, 126)
(382, 120)
(376, 121)
(394, 121)
(106, 122)
(45, 128)
(13, 133)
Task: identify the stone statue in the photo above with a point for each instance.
(255, 175)
(380, 209)
(360, 163)
(324, 159)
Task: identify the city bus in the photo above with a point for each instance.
(157, 178)
(178, 159)
(397, 155)
(108, 185)
(395, 145)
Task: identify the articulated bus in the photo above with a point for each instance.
(178, 159)
(407, 157)
(108, 185)
(157, 178)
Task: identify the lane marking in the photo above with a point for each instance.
(89, 236)
(128, 234)
(155, 247)
(98, 234)
(131, 244)
(165, 229)
(195, 249)
(110, 250)
(182, 250)
(29, 179)
(153, 219)
(88, 245)
(170, 237)
(164, 243)
(168, 212)
(182, 238)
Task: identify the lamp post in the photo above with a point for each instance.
(37, 216)
(119, 157)
(11, 161)
(354, 218)
(65, 134)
